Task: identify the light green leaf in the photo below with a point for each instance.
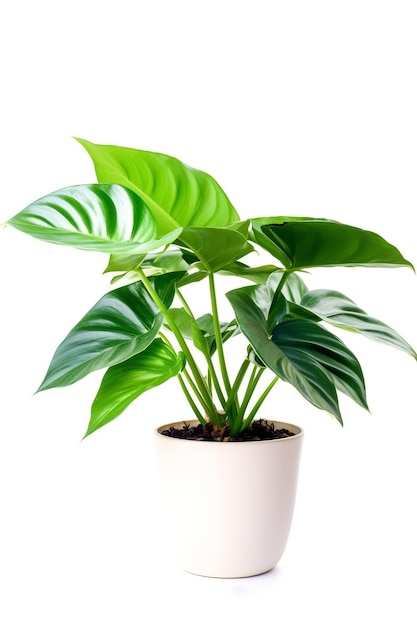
(336, 309)
(124, 262)
(125, 382)
(216, 247)
(177, 194)
(257, 275)
(101, 218)
(168, 261)
(122, 323)
(309, 242)
(201, 330)
(152, 264)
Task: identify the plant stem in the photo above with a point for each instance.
(232, 398)
(250, 388)
(208, 408)
(278, 290)
(259, 403)
(198, 377)
(190, 400)
(218, 334)
(184, 387)
(212, 372)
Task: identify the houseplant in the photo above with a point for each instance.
(169, 230)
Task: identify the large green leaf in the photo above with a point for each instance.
(336, 309)
(122, 323)
(301, 352)
(103, 218)
(125, 382)
(177, 194)
(310, 351)
(308, 242)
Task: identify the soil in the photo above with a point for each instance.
(259, 430)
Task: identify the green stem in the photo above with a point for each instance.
(213, 375)
(198, 377)
(259, 403)
(232, 398)
(190, 401)
(185, 389)
(282, 282)
(218, 334)
(207, 407)
(278, 290)
(250, 389)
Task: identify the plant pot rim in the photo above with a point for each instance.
(298, 432)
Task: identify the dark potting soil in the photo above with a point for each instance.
(259, 430)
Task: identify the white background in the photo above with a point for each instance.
(300, 108)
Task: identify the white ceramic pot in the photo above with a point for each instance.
(228, 506)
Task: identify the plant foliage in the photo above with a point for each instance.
(168, 228)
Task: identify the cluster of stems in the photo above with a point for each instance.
(214, 397)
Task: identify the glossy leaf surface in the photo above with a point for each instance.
(307, 242)
(101, 218)
(177, 194)
(336, 309)
(122, 323)
(301, 352)
(125, 382)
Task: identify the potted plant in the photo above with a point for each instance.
(170, 231)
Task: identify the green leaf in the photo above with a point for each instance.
(168, 261)
(336, 309)
(216, 247)
(177, 194)
(101, 218)
(309, 242)
(294, 288)
(125, 382)
(152, 264)
(201, 330)
(124, 262)
(310, 352)
(122, 323)
(257, 275)
(302, 353)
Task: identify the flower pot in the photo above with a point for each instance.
(228, 506)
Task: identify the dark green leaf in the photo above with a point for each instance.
(177, 194)
(302, 353)
(125, 382)
(336, 309)
(308, 242)
(311, 353)
(101, 218)
(122, 323)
